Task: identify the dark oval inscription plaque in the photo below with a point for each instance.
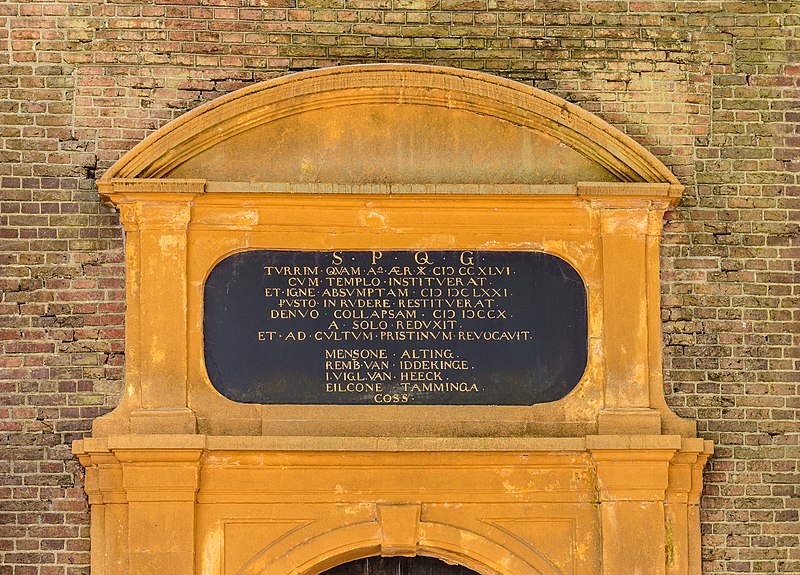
(399, 327)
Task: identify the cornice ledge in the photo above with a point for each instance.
(633, 443)
(113, 189)
(663, 191)
(390, 189)
(596, 443)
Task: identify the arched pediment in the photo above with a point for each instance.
(391, 123)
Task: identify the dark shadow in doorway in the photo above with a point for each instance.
(398, 566)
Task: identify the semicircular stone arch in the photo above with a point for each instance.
(314, 554)
(391, 123)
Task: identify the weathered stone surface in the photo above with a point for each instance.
(190, 459)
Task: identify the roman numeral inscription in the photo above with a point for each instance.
(414, 327)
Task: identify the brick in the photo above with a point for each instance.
(706, 86)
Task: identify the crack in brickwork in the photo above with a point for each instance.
(710, 87)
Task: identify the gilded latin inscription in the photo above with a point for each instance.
(409, 327)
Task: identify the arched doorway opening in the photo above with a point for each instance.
(399, 566)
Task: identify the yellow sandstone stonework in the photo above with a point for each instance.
(389, 157)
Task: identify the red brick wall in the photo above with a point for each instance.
(710, 87)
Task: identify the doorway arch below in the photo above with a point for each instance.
(398, 532)
(417, 565)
